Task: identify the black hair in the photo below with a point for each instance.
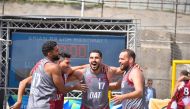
(96, 51)
(48, 46)
(65, 55)
(184, 72)
(149, 80)
(130, 52)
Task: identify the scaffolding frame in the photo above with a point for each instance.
(58, 24)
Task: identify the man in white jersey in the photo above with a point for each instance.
(47, 79)
(97, 77)
(64, 63)
(132, 84)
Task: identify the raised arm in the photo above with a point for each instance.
(179, 81)
(183, 78)
(116, 70)
(21, 89)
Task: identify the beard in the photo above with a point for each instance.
(94, 66)
(55, 58)
(124, 67)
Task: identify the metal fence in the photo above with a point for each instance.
(163, 5)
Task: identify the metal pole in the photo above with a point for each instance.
(174, 63)
(102, 11)
(162, 5)
(173, 76)
(147, 4)
(115, 3)
(82, 8)
(185, 7)
(175, 33)
(127, 37)
(3, 8)
(6, 68)
(129, 4)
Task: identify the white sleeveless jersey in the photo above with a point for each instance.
(42, 91)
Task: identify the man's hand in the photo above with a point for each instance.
(81, 87)
(104, 68)
(17, 105)
(117, 99)
(138, 66)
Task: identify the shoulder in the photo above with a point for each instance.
(136, 71)
(135, 74)
(51, 67)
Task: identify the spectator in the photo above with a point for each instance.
(150, 92)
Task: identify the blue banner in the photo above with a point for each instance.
(26, 50)
(69, 103)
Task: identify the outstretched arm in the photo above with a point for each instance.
(115, 70)
(75, 68)
(183, 78)
(115, 85)
(71, 70)
(21, 89)
(59, 82)
(76, 75)
(111, 71)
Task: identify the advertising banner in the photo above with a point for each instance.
(26, 50)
